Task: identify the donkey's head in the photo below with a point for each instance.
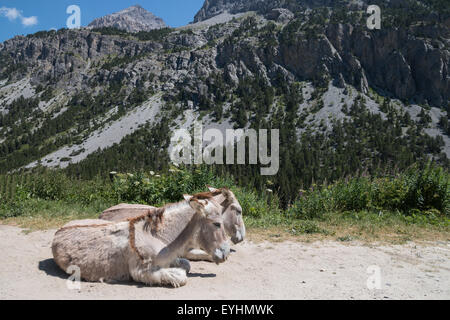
(232, 215)
(211, 237)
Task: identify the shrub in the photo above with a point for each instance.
(418, 189)
(427, 188)
(255, 205)
(149, 188)
(311, 204)
(51, 185)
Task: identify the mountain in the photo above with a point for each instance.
(213, 8)
(132, 19)
(345, 99)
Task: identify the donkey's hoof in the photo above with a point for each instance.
(183, 264)
(176, 278)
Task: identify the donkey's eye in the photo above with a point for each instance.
(217, 224)
(238, 211)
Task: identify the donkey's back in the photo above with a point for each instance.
(125, 211)
(100, 249)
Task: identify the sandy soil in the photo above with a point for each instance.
(288, 270)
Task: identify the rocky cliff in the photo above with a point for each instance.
(212, 8)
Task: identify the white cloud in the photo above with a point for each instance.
(13, 14)
(30, 21)
(10, 13)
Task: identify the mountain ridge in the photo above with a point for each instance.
(132, 19)
(212, 8)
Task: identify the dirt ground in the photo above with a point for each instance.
(287, 270)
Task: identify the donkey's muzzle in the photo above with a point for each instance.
(221, 254)
(239, 236)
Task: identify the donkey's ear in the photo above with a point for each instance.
(197, 206)
(211, 189)
(227, 193)
(187, 197)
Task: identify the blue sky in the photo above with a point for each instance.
(21, 17)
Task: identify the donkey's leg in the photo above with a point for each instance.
(181, 263)
(174, 277)
(198, 255)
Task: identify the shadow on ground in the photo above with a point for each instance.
(201, 275)
(51, 269)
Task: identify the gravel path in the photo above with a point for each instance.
(288, 270)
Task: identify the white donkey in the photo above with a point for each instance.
(132, 249)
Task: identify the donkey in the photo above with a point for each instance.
(232, 216)
(132, 249)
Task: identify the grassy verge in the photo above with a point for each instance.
(349, 227)
(413, 205)
(346, 228)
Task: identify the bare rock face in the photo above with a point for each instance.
(212, 8)
(132, 19)
(407, 66)
(280, 15)
(55, 55)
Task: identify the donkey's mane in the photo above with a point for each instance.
(198, 196)
(153, 219)
(207, 195)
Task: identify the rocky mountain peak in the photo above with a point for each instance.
(132, 19)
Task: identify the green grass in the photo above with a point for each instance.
(409, 205)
